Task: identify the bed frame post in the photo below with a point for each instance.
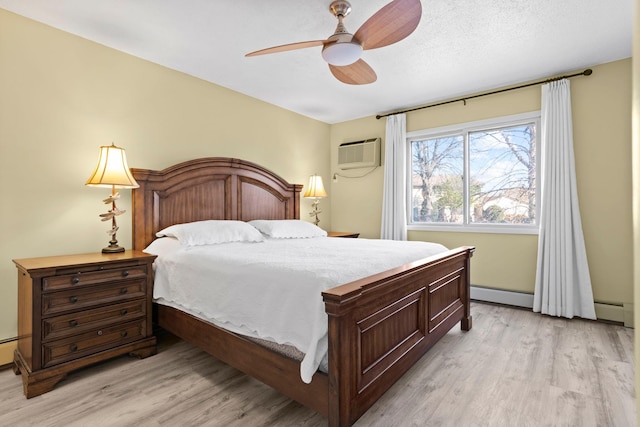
(341, 358)
(466, 322)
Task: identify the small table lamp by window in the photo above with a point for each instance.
(112, 171)
(315, 191)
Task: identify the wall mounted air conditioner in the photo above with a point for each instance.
(359, 154)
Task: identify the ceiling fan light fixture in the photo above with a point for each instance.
(341, 54)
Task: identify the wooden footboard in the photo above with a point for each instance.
(381, 325)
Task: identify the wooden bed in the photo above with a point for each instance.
(379, 326)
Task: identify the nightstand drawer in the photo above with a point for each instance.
(57, 302)
(91, 342)
(92, 278)
(79, 322)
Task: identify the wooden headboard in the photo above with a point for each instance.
(208, 188)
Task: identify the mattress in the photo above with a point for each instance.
(272, 290)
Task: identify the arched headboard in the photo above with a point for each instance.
(208, 188)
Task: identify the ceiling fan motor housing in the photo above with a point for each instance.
(340, 8)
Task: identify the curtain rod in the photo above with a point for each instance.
(586, 72)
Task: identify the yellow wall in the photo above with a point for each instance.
(61, 97)
(6, 352)
(636, 191)
(602, 133)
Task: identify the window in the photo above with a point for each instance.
(479, 176)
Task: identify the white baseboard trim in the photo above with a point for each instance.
(499, 296)
(621, 313)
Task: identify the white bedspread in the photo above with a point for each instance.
(272, 290)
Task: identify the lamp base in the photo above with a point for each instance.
(112, 249)
(315, 211)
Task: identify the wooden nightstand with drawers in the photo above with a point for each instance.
(77, 310)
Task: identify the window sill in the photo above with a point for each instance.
(487, 229)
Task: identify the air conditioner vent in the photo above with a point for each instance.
(359, 154)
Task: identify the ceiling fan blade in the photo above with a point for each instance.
(286, 47)
(358, 73)
(389, 25)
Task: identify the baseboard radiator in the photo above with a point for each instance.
(620, 313)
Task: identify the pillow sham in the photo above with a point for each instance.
(212, 232)
(288, 228)
(162, 246)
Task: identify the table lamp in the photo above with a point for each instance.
(112, 171)
(315, 191)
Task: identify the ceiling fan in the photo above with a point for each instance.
(342, 50)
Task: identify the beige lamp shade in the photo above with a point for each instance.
(316, 188)
(112, 169)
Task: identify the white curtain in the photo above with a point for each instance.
(394, 218)
(563, 284)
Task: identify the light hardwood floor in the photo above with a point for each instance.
(514, 368)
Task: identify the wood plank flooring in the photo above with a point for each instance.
(514, 368)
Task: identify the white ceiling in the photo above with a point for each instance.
(460, 47)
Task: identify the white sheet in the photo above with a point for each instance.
(272, 290)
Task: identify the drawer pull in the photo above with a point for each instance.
(123, 334)
(100, 333)
(73, 323)
(123, 311)
(73, 299)
(124, 291)
(75, 280)
(125, 273)
(73, 347)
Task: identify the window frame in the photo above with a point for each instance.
(464, 129)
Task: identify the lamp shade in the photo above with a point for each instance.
(315, 189)
(112, 169)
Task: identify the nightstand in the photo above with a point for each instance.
(77, 310)
(343, 234)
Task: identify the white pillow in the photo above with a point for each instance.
(212, 232)
(288, 228)
(162, 246)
